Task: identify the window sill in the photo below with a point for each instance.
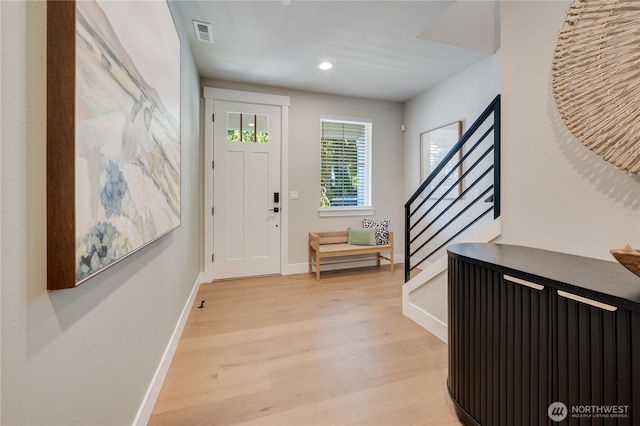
(345, 211)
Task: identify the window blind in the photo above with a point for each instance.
(345, 163)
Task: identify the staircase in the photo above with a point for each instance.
(458, 202)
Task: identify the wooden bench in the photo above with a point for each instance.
(324, 245)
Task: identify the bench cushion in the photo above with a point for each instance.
(362, 236)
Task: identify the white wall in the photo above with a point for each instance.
(304, 163)
(557, 194)
(462, 97)
(85, 355)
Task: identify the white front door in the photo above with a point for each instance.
(246, 179)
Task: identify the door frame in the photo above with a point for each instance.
(211, 95)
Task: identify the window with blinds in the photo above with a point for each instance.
(345, 162)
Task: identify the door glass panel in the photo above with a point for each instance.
(243, 127)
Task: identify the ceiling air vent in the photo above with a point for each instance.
(203, 31)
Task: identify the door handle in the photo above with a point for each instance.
(587, 301)
(525, 283)
(275, 209)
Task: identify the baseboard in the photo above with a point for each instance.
(150, 398)
(430, 323)
(296, 268)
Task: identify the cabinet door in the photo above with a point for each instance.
(525, 351)
(499, 346)
(596, 362)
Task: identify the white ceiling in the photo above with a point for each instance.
(387, 50)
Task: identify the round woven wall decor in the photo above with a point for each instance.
(596, 78)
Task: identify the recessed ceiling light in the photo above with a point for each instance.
(325, 66)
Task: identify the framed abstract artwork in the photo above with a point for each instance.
(434, 146)
(113, 133)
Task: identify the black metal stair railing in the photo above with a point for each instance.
(458, 196)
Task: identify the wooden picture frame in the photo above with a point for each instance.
(113, 134)
(435, 144)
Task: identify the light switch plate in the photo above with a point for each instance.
(293, 195)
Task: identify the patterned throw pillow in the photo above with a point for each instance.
(382, 229)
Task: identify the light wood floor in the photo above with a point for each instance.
(294, 351)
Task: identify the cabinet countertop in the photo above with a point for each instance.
(597, 279)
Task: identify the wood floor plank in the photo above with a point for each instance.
(369, 404)
(295, 351)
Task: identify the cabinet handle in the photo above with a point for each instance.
(523, 282)
(587, 301)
